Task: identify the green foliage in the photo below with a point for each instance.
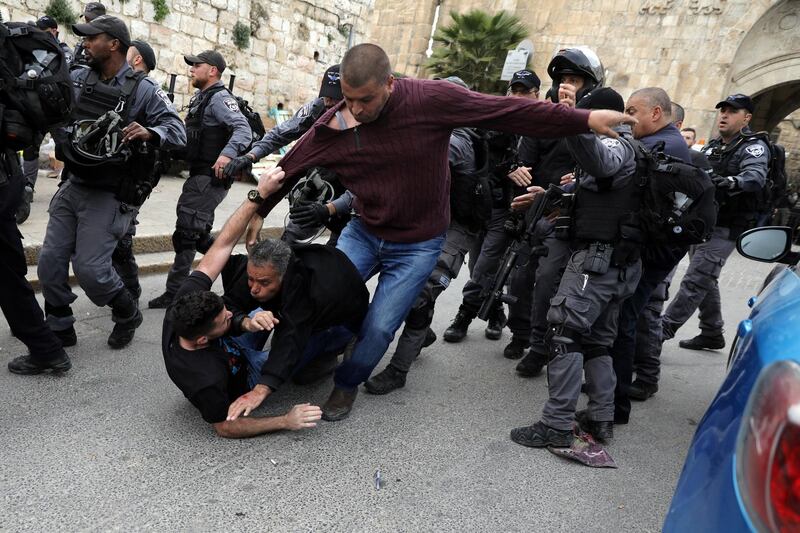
(473, 47)
(241, 35)
(61, 12)
(161, 10)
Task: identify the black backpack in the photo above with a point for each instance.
(253, 118)
(776, 172)
(471, 196)
(35, 87)
(678, 199)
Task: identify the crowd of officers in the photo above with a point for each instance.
(589, 288)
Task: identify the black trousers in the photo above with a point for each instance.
(17, 299)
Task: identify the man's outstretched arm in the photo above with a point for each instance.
(301, 416)
(214, 260)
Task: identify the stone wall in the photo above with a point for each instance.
(279, 65)
(688, 47)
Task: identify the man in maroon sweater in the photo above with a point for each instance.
(388, 143)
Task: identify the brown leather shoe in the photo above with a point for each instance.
(339, 404)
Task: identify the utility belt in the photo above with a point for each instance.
(204, 170)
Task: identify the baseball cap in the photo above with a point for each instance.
(526, 77)
(104, 24)
(148, 56)
(738, 101)
(46, 22)
(331, 84)
(211, 57)
(93, 10)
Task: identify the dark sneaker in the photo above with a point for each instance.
(122, 334)
(24, 207)
(430, 338)
(68, 337)
(458, 329)
(540, 435)
(27, 365)
(516, 348)
(161, 302)
(494, 329)
(641, 391)
(601, 431)
(703, 342)
(532, 364)
(339, 404)
(390, 379)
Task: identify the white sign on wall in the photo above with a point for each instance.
(515, 60)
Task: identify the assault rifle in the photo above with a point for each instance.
(171, 90)
(494, 293)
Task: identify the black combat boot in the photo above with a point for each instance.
(458, 329)
(390, 379)
(532, 364)
(601, 431)
(516, 348)
(641, 391)
(703, 342)
(126, 317)
(497, 321)
(27, 365)
(161, 302)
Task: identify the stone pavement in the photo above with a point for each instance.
(114, 446)
(153, 241)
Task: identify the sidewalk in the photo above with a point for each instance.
(153, 241)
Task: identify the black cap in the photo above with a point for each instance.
(526, 77)
(604, 98)
(738, 101)
(93, 10)
(104, 24)
(148, 56)
(211, 57)
(46, 22)
(331, 84)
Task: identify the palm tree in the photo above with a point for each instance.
(473, 47)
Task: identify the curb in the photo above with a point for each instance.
(150, 244)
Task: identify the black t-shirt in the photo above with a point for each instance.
(211, 378)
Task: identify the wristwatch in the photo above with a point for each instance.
(254, 196)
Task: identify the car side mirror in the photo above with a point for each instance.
(767, 244)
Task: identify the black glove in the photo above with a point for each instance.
(236, 166)
(724, 183)
(309, 215)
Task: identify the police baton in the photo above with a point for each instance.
(171, 91)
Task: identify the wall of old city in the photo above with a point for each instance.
(291, 45)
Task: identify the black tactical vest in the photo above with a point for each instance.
(203, 145)
(738, 212)
(600, 215)
(95, 99)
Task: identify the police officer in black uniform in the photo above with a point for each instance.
(217, 132)
(330, 94)
(119, 120)
(740, 162)
(603, 270)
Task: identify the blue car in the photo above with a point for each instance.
(742, 472)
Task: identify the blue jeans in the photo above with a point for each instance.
(403, 269)
(251, 346)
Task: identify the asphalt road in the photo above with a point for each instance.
(113, 445)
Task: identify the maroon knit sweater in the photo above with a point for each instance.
(397, 165)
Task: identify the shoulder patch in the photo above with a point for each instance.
(231, 104)
(756, 150)
(161, 94)
(609, 142)
(304, 111)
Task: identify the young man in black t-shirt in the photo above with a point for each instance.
(210, 369)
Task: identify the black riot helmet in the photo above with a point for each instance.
(578, 60)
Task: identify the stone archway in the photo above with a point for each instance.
(767, 65)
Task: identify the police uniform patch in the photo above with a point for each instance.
(756, 150)
(610, 143)
(231, 104)
(161, 94)
(304, 111)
